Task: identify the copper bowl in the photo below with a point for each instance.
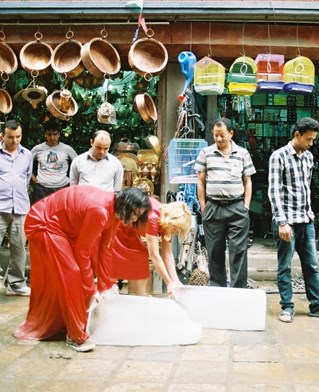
(8, 59)
(67, 58)
(148, 56)
(146, 107)
(100, 57)
(5, 102)
(54, 106)
(36, 56)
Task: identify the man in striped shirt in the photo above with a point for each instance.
(290, 171)
(224, 191)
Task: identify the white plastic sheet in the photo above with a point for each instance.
(224, 308)
(131, 320)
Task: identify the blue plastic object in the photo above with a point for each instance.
(187, 61)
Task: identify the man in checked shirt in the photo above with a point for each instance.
(290, 171)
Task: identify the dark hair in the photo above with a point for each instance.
(12, 124)
(223, 121)
(128, 201)
(306, 124)
(51, 125)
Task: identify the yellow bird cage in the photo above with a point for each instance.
(242, 76)
(209, 77)
(299, 75)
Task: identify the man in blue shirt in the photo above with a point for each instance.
(15, 174)
(290, 171)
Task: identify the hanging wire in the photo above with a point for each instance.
(268, 62)
(243, 41)
(191, 38)
(209, 42)
(297, 32)
(269, 43)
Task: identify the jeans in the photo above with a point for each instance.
(13, 224)
(303, 241)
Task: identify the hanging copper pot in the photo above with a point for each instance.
(66, 58)
(100, 58)
(8, 59)
(36, 57)
(148, 57)
(54, 103)
(146, 107)
(5, 102)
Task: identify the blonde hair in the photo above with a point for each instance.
(175, 218)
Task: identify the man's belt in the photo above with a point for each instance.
(224, 202)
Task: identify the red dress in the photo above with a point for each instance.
(62, 230)
(130, 254)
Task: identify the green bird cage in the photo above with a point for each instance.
(242, 76)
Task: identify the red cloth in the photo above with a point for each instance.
(129, 253)
(62, 230)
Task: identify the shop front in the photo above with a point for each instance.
(136, 94)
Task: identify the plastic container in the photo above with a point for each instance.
(209, 77)
(182, 154)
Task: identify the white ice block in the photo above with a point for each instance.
(141, 321)
(224, 308)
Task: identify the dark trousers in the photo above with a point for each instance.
(39, 192)
(227, 224)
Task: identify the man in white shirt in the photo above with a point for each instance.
(97, 166)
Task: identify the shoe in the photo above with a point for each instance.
(314, 314)
(88, 345)
(20, 292)
(287, 315)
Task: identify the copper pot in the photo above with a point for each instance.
(67, 58)
(36, 56)
(53, 103)
(100, 58)
(147, 56)
(5, 102)
(146, 107)
(152, 141)
(125, 145)
(8, 59)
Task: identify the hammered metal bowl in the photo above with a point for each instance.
(100, 57)
(36, 56)
(67, 58)
(147, 56)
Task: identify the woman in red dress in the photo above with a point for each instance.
(131, 256)
(62, 231)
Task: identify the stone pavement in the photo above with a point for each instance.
(283, 358)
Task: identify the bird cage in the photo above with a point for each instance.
(299, 75)
(270, 68)
(242, 76)
(209, 77)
